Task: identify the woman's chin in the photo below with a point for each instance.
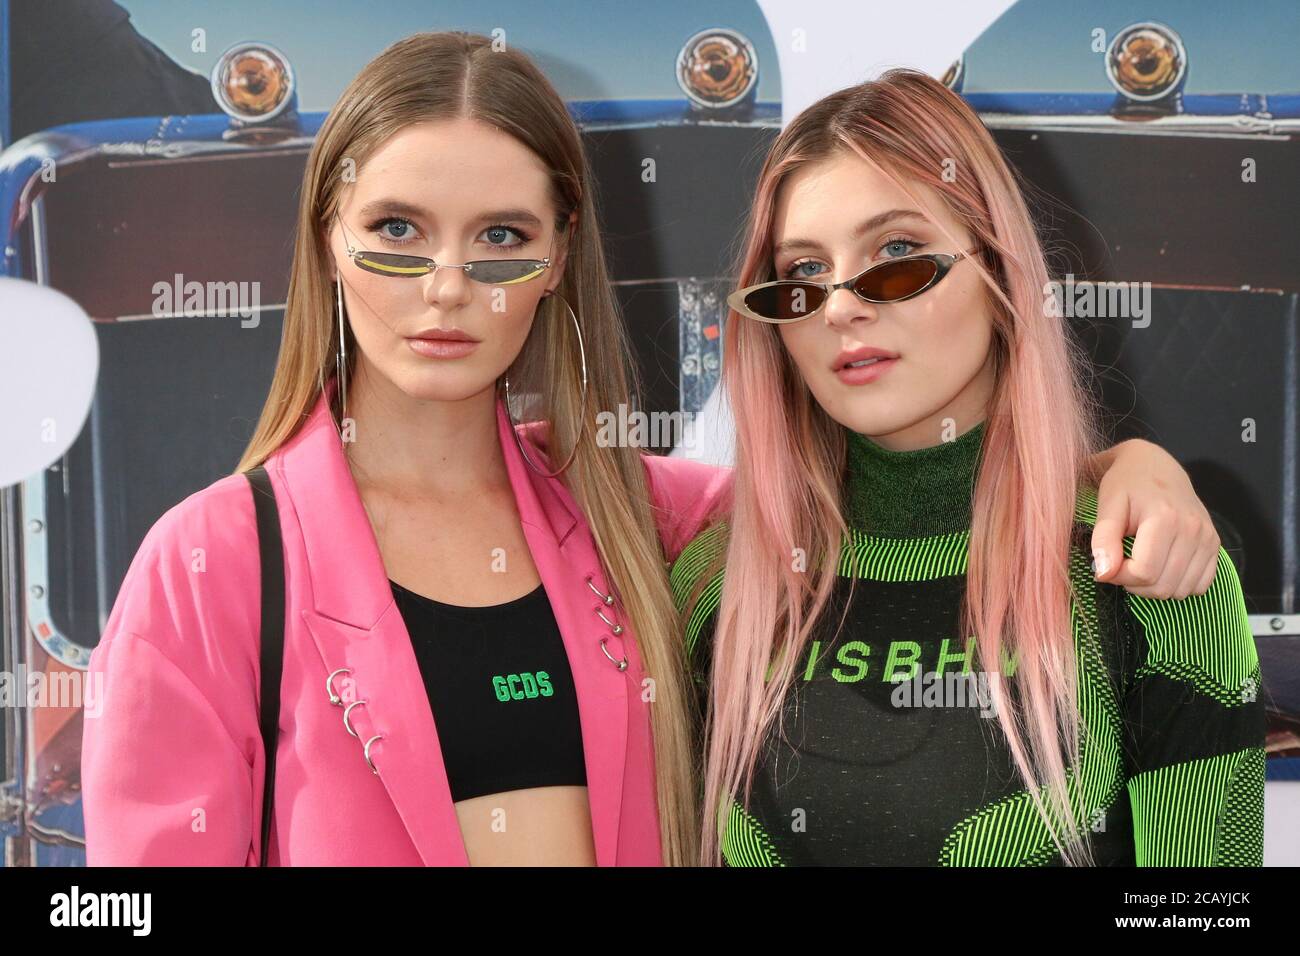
(445, 384)
(871, 417)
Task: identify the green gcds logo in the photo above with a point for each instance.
(522, 686)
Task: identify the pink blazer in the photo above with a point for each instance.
(172, 768)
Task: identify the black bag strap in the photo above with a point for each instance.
(272, 634)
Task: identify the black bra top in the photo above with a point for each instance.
(501, 692)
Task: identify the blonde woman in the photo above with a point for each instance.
(482, 662)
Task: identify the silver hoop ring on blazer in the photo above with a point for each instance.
(347, 713)
(582, 414)
(335, 699)
(607, 598)
(620, 664)
(368, 761)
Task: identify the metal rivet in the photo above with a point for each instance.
(368, 760)
(607, 598)
(347, 713)
(620, 664)
(335, 699)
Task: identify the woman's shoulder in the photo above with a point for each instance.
(687, 496)
(696, 580)
(227, 499)
(216, 523)
(1203, 639)
(195, 579)
(701, 556)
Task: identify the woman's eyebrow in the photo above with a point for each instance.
(392, 206)
(510, 215)
(864, 227)
(400, 207)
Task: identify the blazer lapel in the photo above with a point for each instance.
(565, 555)
(408, 755)
(356, 624)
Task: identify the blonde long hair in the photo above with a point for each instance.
(432, 76)
(1039, 436)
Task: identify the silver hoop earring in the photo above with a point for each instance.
(340, 354)
(582, 414)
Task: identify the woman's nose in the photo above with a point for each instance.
(845, 307)
(447, 287)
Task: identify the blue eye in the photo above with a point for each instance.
(499, 236)
(402, 230)
(800, 270)
(905, 247)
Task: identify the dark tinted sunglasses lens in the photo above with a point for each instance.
(505, 271)
(896, 280)
(786, 302)
(390, 264)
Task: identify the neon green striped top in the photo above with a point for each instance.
(889, 755)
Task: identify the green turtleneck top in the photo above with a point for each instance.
(891, 753)
(909, 493)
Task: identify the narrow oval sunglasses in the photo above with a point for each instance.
(894, 280)
(487, 271)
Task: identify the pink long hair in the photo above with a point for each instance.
(1039, 436)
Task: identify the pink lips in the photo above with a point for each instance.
(862, 374)
(442, 343)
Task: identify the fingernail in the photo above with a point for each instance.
(1100, 563)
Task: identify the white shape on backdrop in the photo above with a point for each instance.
(48, 368)
(847, 42)
(824, 46)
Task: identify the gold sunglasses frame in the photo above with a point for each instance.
(942, 260)
(423, 266)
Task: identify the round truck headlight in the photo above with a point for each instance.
(717, 68)
(1146, 61)
(253, 82)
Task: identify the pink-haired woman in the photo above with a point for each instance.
(908, 657)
